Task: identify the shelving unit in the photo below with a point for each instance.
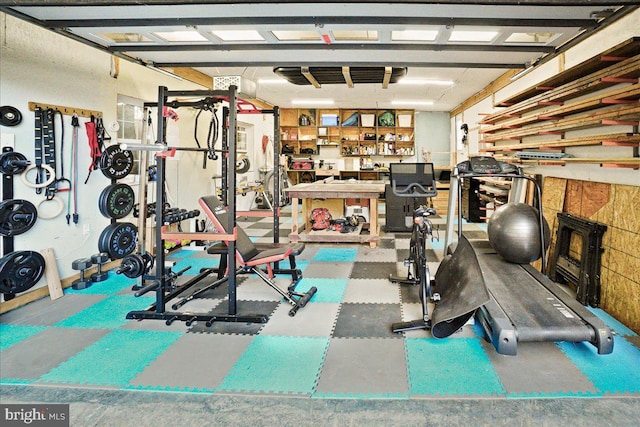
(563, 104)
(366, 137)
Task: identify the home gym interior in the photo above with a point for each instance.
(380, 213)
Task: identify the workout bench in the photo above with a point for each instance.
(251, 257)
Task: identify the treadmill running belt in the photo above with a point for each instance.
(535, 312)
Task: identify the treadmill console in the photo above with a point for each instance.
(485, 165)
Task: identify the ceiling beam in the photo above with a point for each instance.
(346, 73)
(307, 75)
(189, 2)
(272, 63)
(319, 20)
(333, 46)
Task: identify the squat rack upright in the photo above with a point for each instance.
(162, 281)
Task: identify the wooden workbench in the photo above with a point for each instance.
(334, 190)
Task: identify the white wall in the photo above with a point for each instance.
(41, 66)
(610, 36)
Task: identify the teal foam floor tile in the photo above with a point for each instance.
(13, 334)
(615, 373)
(612, 322)
(196, 264)
(450, 368)
(329, 290)
(336, 255)
(113, 360)
(109, 313)
(114, 284)
(276, 364)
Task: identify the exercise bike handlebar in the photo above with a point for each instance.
(413, 190)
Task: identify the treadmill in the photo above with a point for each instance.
(525, 305)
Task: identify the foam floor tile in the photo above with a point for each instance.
(367, 321)
(450, 367)
(10, 335)
(278, 364)
(402, 243)
(313, 320)
(328, 270)
(37, 355)
(113, 360)
(45, 312)
(194, 362)
(539, 368)
(612, 322)
(114, 284)
(366, 254)
(610, 373)
(386, 244)
(243, 308)
(372, 367)
(109, 313)
(196, 265)
(371, 291)
(335, 255)
(328, 290)
(255, 289)
(373, 270)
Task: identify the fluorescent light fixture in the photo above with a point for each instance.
(426, 82)
(181, 36)
(272, 81)
(414, 35)
(312, 102)
(299, 35)
(472, 36)
(408, 102)
(126, 37)
(238, 35)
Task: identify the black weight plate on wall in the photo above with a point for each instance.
(116, 201)
(20, 270)
(10, 116)
(17, 216)
(12, 163)
(118, 239)
(116, 163)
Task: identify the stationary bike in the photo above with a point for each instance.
(416, 180)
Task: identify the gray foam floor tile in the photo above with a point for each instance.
(634, 340)
(373, 270)
(409, 294)
(402, 243)
(257, 232)
(310, 250)
(374, 367)
(45, 312)
(261, 225)
(194, 361)
(371, 291)
(386, 243)
(313, 320)
(328, 270)
(473, 234)
(220, 291)
(366, 254)
(538, 368)
(37, 355)
(367, 320)
(255, 289)
(243, 308)
(402, 254)
(154, 325)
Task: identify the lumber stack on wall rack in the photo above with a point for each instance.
(539, 117)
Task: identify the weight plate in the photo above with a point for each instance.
(13, 163)
(17, 216)
(118, 240)
(116, 201)
(20, 270)
(116, 163)
(243, 165)
(10, 116)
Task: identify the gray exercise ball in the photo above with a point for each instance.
(514, 232)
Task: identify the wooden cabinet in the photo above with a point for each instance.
(358, 132)
(597, 95)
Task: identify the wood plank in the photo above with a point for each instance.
(570, 142)
(625, 49)
(577, 121)
(51, 273)
(581, 86)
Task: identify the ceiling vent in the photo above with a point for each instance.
(341, 75)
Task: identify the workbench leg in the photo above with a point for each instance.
(374, 231)
(294, 216)
(306, 212)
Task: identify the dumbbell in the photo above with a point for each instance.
(81, 264)
(99, 259)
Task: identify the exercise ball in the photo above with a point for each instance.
(514, 232)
